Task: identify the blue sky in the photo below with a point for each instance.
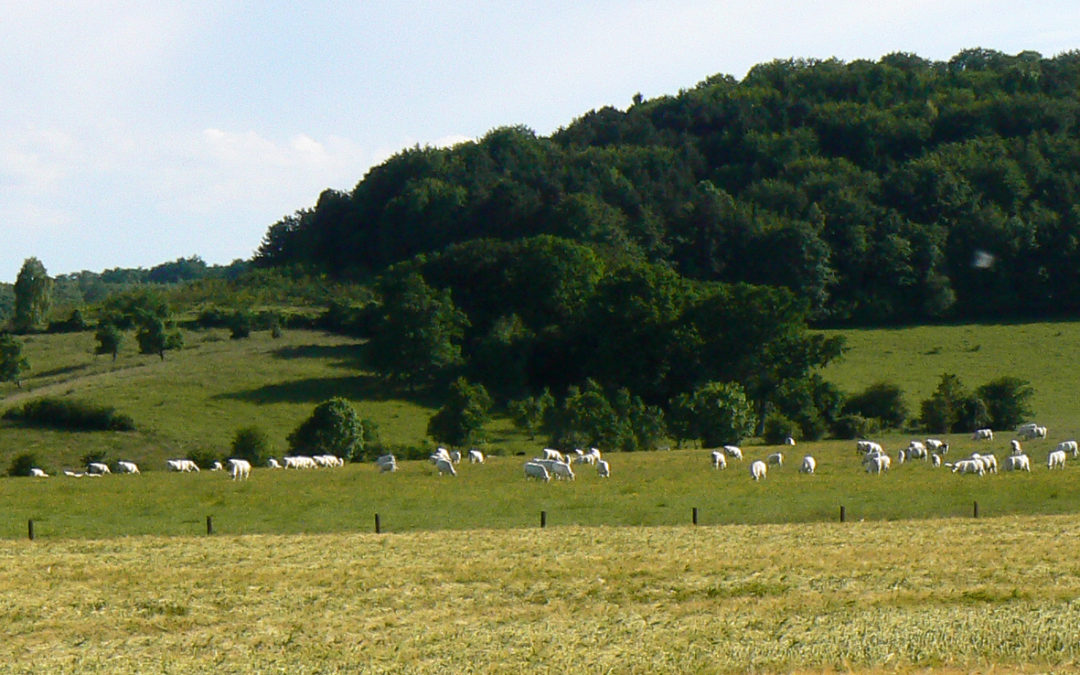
(134, 133)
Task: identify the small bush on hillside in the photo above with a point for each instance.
(1007, 400)
(204, 458)
(855, 426)
(333, 428)
(778, 428)
(883, 401)
(72, 415)
(97, 456)
(252, 444)
(22, 464)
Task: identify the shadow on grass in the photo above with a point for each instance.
(318, 389)
(66, 370)
(344, 356)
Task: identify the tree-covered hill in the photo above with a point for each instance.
(895, 190)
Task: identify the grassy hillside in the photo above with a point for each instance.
(858, 597)
(1047, 354)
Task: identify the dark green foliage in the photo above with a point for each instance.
(372, 440)
(811, 403)
(12, 362)
(461, 419)
(136, 307)
(33, 296)
(1007, 401)
(529, 413)
(70, 414)
(855, 426)
(204, 458)
(717, 413)
(21, 465)
(240, 325)
(109, 339)
(155, 337)
(867, 189)
(334, 428)
(252, 444)
(418, 332)
(778, 428)
(952, 408)
(587, 418)
(881, 401)
(92, 457)
(75, 323)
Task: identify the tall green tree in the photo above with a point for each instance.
(718, 413)
(333, 428)
(12, 362)
(154, 337)
(33, 296)
(528, 413)
(1007, 400)
(418, 332)
(460, 421)
(109, 339)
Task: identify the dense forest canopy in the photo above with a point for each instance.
(897, 190)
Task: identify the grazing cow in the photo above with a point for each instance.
(534, 470)
(1014, 447)
(1056, 460)
(809, 465)
(299, 462)
(73, 474)
(968, 466)
(217, 466)
(936, 459)
(595, 452)
(866, 447)
(989, 461)
(97, 468)
(936, 445)
(455, 456)
(386, 463)
(550, 453)
(561, 470)
(758, 470)
(718, 461)
(733, 451)
(1017, 463)
(239, 469)
(789, 441)
(440, 453)
(983, 435)
(877, 463)
(776, 458)
(901, 456)
(38, 473)
(476, 457)
(603, 469)
(183, 465)
(126, 467)
(1069, 447)
(445, 467)
(273, 463)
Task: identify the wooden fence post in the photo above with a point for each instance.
(695, 515)
(209, 525)
(975, 510)
(543, 519)
(30, 529)
(377, 528)
(843, 513)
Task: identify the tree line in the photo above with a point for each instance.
(897, 190)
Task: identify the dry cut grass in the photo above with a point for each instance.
(897, 596)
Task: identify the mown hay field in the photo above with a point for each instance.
(998, 594)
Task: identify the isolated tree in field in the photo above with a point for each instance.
(882, 401)
(33, 296)
(462, 418)
(528, 413)
(418, 331)
(952, 408)
(12, 362)
(334, 428)
(154, 338)
(252, 444)
(21, 465)
(109, 339)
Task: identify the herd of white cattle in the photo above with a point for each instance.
(559, 465)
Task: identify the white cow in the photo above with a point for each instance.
(733, 451)
(183, 465)
(1017, 463)
(534, 470)
(273, 463)
(595, 452)
(866, 447)
(968, 466)
(989, 461)
(776, 458)
(562, 470)
(1014, 447)
(718, 461)
(126, 467)
(1069, 447)
(758, 470)
(239, 469)
(983, 435)
(455, 456)
(217, 466)
(936, 445)
(386, 463)
(299, 462)
(440, 453)
(877, 463)
(445, 467)
(936, 459)
(38, 473)
(809, 465)
(603, 469)
(1056, 460)
(476, 457)
(97, 468)
(551, 453)
(789, 441)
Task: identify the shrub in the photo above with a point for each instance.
(21, 465)
(97, 456)
(204, 458)
(73, 415)
(883, 401)
(1007, 400)
(855, 426)
(252, 444)
(333, 428)
(717, 413)
(778, 428)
